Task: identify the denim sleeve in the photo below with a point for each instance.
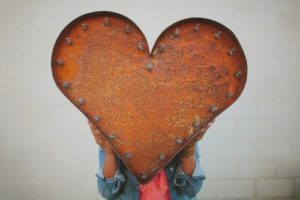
(190, 185)
(109, 188)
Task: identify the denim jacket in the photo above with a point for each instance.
(124, 186)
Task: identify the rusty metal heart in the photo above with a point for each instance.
(148, 105)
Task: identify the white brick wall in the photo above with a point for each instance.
(236, 188)
(288, 169)
(297, 187)
(252, 152)
(220, 169)
(256, 169)
(209, 190)
(275, 187)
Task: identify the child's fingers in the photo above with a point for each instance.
(93, 127)
(100, 141)
(203, 130)
(96, 132)
(198, 137)
(207, 126)
(90, 124)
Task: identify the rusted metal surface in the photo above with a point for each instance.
(148, 105)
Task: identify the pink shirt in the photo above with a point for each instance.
(157, 188)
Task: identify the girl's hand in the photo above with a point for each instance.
(187, 155)
(203, 131)
(100, 140)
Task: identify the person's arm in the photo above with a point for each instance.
(110, 158)
(187, 156)
(110, 178)
(110, 165)
(190, 185)
(189, 175)
(188, 165)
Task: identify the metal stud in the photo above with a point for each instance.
(214, 109)
(60, 62)
(149, 67)
(232, 51)
(155, 168)
(229, 95)
(106, 22)
(218, 35)
(84, 27)
(81, 101)
(144, 175)
(140, 46)
(66, 85)
(68, 41)
(175, 34)
(196, 28)
(128, 155)
(197, 123)
(238, 73)
(178, 140)
(161, 48)
(192, 131)
(111, 137)
(97, 118)
(128, 29)
(162, 156)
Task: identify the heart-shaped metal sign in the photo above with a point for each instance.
(148, 105)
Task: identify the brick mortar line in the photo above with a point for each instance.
(254, 179)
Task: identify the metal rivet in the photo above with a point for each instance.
(81, 101)
(144, 175)
(140, 46)
(218, 35)
(162, 156)
(213, 108)
(111, 137)
(149, 67)
(175, 34)
(66, 85)
(161, 48)
(60, 62)
(196, 28)
(232, 51)
(128, 155)
(84, 27)
(192, 130)
(106, 22)
(197, 123)
(155, 168)
(238, 73)
(128, 29)
(68, 41)
(97, 118)
(229, 95)
(171, 169)
(178, 140)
